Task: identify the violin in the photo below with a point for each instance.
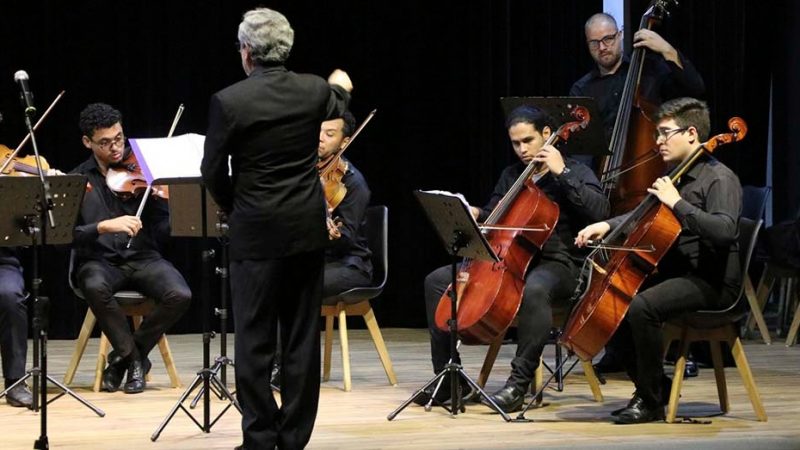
(126, 180)
(619, 271)
(331, 171)
(20, 166)
(490, 293)
(27, 165)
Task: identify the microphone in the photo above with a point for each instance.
(21, 77)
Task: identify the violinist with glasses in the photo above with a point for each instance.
(108, 260)
(552, 275)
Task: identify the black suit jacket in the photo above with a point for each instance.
(269, 124)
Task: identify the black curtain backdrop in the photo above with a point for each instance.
(434, 71)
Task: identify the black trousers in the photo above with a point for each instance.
(547, 282)
(264, 293)
(154, 278)
(13, 321)
(640, 338)
(340, 277)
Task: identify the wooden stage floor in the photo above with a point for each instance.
(357, 419)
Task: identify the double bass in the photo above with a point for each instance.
(634, 164)
(618, 272)
(490, 293)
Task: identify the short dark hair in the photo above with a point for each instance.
(349, 126)
(98, 115)
(530, 115)
(687, 112)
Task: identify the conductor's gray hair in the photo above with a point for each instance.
(268, 35)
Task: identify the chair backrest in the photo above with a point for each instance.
(378, 241)
(748, 236)
(754, 201)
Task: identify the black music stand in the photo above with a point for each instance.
(22, 223)
(185, 219)
(591, 141)
(462, 238)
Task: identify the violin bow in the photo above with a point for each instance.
(28, 136)
(149, 186)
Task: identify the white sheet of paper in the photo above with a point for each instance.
(174, 157)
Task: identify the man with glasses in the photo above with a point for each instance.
(106, 264)
(700, 272)
(666, 74)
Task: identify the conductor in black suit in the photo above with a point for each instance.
(269, 125)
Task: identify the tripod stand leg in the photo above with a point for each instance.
(419, 391)
(482, 394)
(77, 397)
(179, 404)
(521, 416)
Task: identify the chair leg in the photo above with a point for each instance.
(380, 345)
(345, 347)
(326, 361)
(791, 338)
(719, 374)
(591, 378)
(747, 378)
(102, 354)
(488, 361)
(677, 379)
(756, 310)
(80, 346)
(765, 285)
(169, 363)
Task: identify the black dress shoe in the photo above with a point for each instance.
(20, 396)
(112, 375)
(634, 402)
(275, 377)
(135, 382)
(509, 399)
(640, 413)
(691, 369)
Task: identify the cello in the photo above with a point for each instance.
(633, 164)
(490, 293)
(617, 276)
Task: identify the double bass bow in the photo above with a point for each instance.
(490, 293)
(634, 163)
(618, 272)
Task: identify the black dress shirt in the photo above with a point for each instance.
(709, 210)
(352, 247)
(580, 199)
(660, 81)
(99, 204)
(268, 124)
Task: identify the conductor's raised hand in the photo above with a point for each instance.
(129, 225)
(340, 78)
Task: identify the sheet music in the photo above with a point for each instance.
(174, 157)
(459, 197)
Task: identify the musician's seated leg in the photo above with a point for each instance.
(549, 281)
(341, 277)
(648, 312)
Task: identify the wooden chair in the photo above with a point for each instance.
(715, 327)
(355, 302)
(134, 304)
(494, 349)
